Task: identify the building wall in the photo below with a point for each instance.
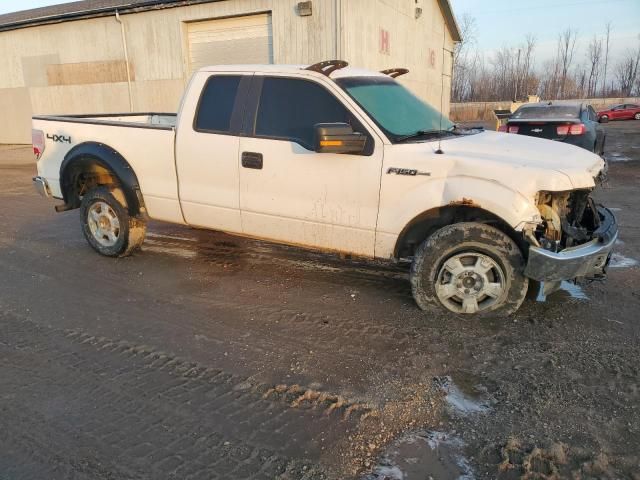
(79, 66)
(422, 45)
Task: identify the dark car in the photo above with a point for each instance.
(576, 124)
(624, 111)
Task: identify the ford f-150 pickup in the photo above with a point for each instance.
(336, 158)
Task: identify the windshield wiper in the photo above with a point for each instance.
(417, 134)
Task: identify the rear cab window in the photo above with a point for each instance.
(217, 104)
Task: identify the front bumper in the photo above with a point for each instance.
(589, 260)
(41, 186)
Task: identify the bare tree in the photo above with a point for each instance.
(594, 56)
(461, 57)
(566, 47)
(510, 72)
(627, 71)
(606, 59)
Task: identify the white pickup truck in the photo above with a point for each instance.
(340, 159)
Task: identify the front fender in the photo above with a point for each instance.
(397, 210)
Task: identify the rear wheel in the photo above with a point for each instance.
(469, 269)
(107, 225)
(637, 116)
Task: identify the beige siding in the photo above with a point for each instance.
(48, 69)
(422, 45)
(79, 66)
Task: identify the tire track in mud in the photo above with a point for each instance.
(120, 398)
(317, 330)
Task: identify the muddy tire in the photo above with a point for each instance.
(469, 269)
(107, 225)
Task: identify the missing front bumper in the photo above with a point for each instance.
(589, 260)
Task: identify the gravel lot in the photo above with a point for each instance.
(209, 356)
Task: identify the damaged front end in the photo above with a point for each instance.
(574, 239)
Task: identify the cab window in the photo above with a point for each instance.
(289, 109)
(216, 105)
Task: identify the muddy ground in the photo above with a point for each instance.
(209, 356)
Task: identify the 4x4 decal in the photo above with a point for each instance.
(59, 138)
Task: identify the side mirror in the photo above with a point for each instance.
(338, 138)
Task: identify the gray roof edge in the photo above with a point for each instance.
(450, 19)
(79, 14)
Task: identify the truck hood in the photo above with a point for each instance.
(528, 156)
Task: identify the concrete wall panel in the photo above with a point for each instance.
(15, 117)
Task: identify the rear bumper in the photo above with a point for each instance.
(589, 260)
(41, 186)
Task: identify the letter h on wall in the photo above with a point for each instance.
(385, 42)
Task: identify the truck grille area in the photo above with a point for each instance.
(569, 219)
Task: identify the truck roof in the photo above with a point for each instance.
(340, 73)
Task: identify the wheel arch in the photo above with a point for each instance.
(99, 164)
(426, 223)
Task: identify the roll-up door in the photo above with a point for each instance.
(225, 41)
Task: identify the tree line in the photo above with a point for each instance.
(511, 73)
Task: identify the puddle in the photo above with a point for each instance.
(620, 261)
(169, 237)
(422, 455)
(157, 247)
(617, 157)
(464, 402)
(566, 288)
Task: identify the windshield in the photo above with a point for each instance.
(397, 111)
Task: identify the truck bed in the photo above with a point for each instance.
(165, 121)
(145, 140)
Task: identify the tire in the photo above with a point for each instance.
(107, 225)
(604, 119)
(489, 259)
(637, 116)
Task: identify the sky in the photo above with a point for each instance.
(7, 6)
(506, 22)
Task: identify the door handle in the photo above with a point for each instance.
(252, 160)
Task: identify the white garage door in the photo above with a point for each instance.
(226, 41)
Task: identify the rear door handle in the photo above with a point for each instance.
(252, 160)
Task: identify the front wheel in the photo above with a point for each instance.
(604, 119)
(469, 269)
(107, 225)
(637, 116)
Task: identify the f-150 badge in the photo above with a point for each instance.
(405, 171)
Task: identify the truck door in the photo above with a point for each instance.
(290, 193)
(207, 150)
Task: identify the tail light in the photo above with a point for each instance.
(577, 129)
(513, 129)
(37, 139)
(502, 128)
(571, 129)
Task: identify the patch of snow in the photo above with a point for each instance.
(458, 401)
(620, 261)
